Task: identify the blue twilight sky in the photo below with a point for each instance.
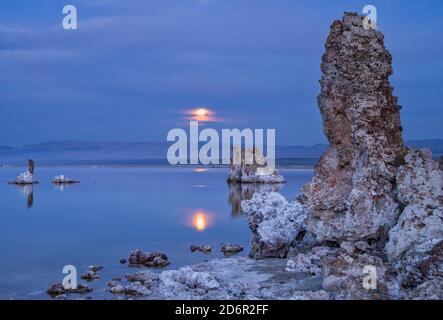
(133, 67)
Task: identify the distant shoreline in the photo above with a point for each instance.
(145, 165)
(301, 162)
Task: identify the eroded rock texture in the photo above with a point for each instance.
(420, 191)
(147, 259)
(345, 276)
(352, 196)
(275, 224)
(415, 245)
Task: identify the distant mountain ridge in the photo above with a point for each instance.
(113, 150)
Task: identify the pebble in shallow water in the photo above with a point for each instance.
(229, 249)
(203, 248)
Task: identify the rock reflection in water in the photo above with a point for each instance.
(59, 187)
(239, 192)
(28, 192)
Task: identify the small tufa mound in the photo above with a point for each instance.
(91, 274)
(250, 166)
(58, 290)
(61, 179)
(26, 178)
(203, 248)
(275, 224)
(147, 259)
(229, 249)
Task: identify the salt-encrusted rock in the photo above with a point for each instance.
(420, 190)
(58, 290)
(95, 268)
(116, 288)
(428, 290)
(233, 278)
(147, 259)
(356, 247)
(229, 249)
(61, 179)
(185, 278)
(219, 279)
(89, 276)
(203, 248)
(305, 241)
(26, 178)
(275, 224)
(440, 163)
(250, 166)
(423, 263)
(132, 289)
(113, 283)
(311, 295)
(345, 276)
(146, 278)
(351, 196)
(419, 177)
(303, 263)
(310, 262)
(241, 191)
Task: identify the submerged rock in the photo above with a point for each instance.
(351, 196)
(91, 274)
(229, 249)
(148, 259)
(145, 277)
(252, 168)
(203, 248)
(132, 289)
(275, 224)
(95, 268)
(57, 290)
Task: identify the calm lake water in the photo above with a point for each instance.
(112, 211)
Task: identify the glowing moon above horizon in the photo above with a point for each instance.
(202, 114)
